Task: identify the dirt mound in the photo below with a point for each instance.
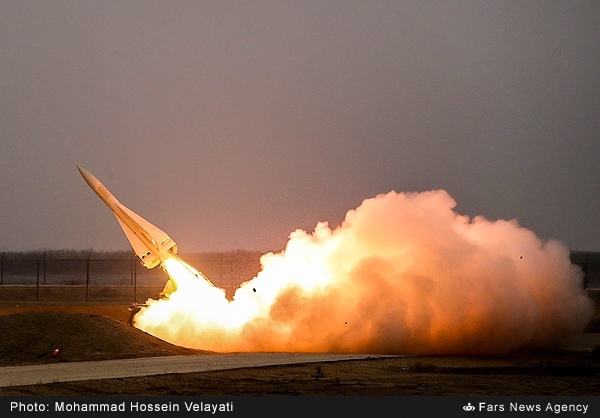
(118, 312)
(31, 338)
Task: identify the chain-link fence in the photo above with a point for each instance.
(107, 279)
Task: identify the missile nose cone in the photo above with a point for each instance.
(98, 187)
(83, 171)
(88, 177)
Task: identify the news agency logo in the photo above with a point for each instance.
(468, 407)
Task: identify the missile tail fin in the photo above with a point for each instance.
(146, 239)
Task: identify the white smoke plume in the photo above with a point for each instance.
(404, 273)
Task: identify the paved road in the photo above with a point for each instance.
(148, 366)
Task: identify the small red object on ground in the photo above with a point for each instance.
(55, 353)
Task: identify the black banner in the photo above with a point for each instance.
(363, 406)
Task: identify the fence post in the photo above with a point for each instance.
(2, 270)
(37, 282)
(585, 272)
(87, 276)
(231, 275)
(44, 267)
(220, 270)
(134, 281)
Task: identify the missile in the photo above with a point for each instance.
(151, 244)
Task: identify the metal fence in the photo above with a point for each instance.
(111, 279)
(589, 262)
(91, 279)
(591, 274)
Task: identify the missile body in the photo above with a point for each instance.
(151, 244)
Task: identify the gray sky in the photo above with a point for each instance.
(229, 124)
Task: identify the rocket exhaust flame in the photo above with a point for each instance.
(404, 273)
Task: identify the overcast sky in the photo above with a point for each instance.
(229, 124)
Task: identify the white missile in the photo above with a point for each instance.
(151, 244)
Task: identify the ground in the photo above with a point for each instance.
(31, 332)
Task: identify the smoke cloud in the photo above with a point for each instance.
(404, 274)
